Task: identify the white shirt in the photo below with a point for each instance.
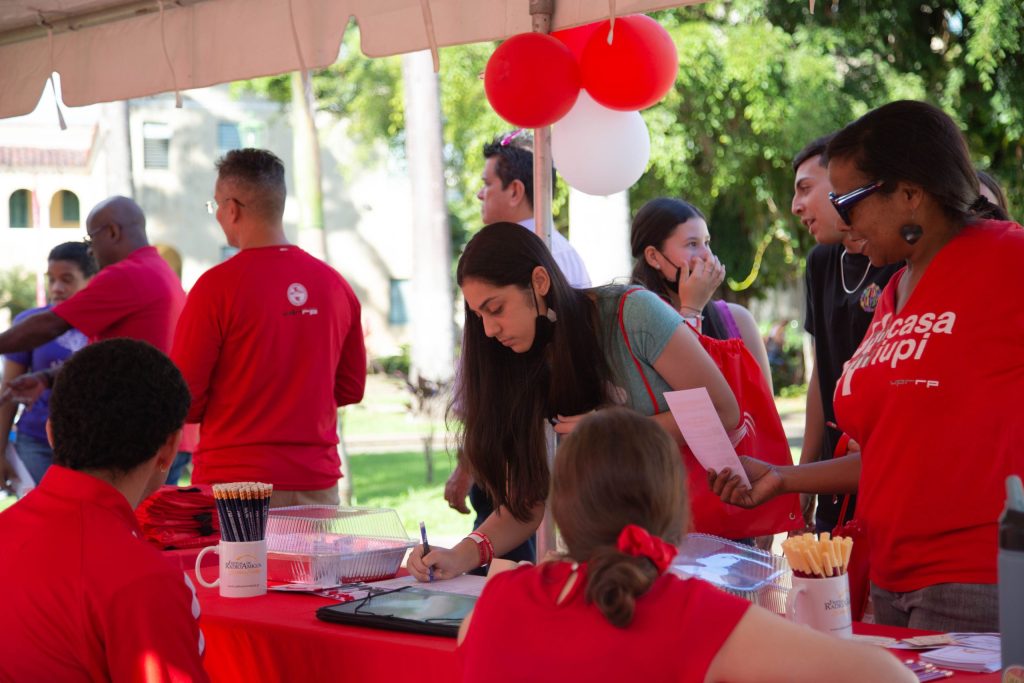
(565, 256)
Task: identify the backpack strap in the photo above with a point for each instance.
(629, 347)
(728, 321)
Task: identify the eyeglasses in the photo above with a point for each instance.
(89, 234)
(211, 206)
(843, 203)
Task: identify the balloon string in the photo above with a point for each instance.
(53, 86)
(167, 56)
(295, 38)
(611, 17)
(428, 24)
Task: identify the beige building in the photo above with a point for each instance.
(164, 157)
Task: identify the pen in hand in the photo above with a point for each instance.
(426, 549)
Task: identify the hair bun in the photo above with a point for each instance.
(980, 205)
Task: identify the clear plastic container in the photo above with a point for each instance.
(755, 575)
(325, 545)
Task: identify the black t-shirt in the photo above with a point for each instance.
(838, 321)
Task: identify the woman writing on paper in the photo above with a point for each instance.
(536, 350)
(932, 393)
(629, 619)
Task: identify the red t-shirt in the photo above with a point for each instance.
(86, 599)
(270, 344)
(519, 632)
(139, 297)
(933, 397)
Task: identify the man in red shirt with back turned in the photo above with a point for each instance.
(87, 599)
(270, 344)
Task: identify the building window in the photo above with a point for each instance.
(228, 138)
(64, 211)
(397, 312)
(156, 145)
(20, 209)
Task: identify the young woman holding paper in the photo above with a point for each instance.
(626, 617)
(932, 393)
(536, 350)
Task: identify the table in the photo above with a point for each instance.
(277, 637)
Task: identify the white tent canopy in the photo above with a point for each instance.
(107, 50)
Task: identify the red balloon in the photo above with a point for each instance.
(636, 70)
(532, 80)
(576, 39)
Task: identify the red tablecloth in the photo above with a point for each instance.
(277, 637)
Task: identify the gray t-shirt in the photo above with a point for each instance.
(649, 323)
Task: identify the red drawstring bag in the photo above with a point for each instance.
(859, 566)
(760, 435)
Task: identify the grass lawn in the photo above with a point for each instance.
(398, 480)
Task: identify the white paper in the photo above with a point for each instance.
(25, 481)
(467, 584)
(698, 420)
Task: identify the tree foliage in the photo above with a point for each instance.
(757, 80)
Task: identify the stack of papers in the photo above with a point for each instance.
(978, 652)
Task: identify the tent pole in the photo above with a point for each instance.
(541, 12)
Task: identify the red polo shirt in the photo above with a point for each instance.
(86, 599)
(270, 344)
(139, 297)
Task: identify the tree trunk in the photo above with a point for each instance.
(433, 338)
(306, 167)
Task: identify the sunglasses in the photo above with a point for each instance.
(843, 203)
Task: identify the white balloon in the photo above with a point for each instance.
(598, 150)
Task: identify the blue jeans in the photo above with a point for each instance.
(37, 455)
(972, 607)
(182, 459)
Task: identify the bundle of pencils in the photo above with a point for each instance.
(819, 557)
(243, 508)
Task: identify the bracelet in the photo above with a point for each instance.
(484, 547)
(696, 311)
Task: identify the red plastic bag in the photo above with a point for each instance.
(859, 566)
(762, 437)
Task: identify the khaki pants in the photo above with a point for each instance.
(328, 496)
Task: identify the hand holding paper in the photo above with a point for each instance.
(695, 414)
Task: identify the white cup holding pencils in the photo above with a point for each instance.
(823, 603)
(243, 568)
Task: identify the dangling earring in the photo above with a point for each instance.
(551, 315)
(911, 233)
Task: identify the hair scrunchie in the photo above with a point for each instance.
(637, 542)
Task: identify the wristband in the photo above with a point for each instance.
(484, 547)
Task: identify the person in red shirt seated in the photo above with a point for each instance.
(609, 611)
(931, 394)
(87, 598)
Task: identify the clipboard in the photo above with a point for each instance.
(410, 609)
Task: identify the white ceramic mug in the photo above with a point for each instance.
(821, 603)
(243, 568)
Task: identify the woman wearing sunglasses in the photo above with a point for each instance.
(932, 393)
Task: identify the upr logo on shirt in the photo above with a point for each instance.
(297, 294)
(893, 340)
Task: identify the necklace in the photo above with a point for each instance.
(842, 274)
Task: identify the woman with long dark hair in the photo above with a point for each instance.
(670, 241)
(536, 350)
(619, 498)
(932, 393)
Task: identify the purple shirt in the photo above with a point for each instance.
(49, 355)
